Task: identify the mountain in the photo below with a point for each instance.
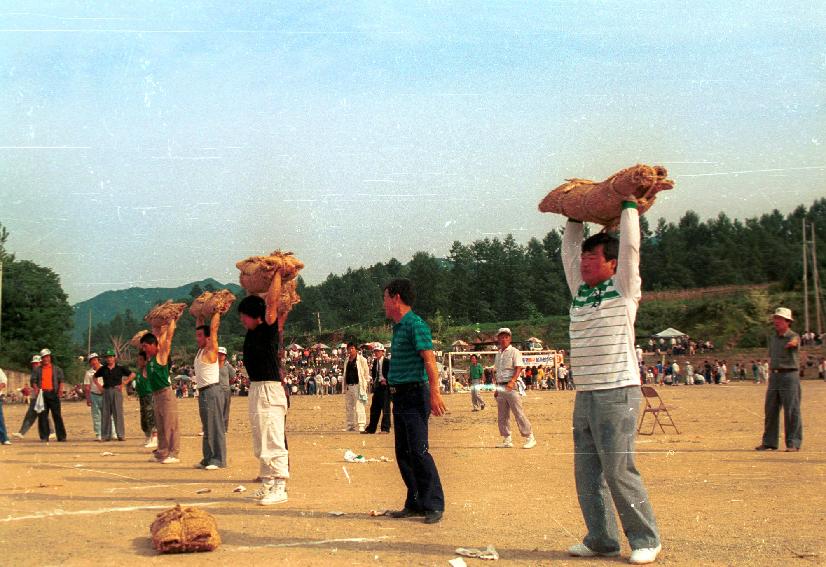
(138, 300)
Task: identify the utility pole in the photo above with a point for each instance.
(89, 335)
(816, 282)
(805, 281)
(318, 317)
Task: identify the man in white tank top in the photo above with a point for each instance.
(211, 398)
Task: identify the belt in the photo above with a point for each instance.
(399, 388)
(783, 370)
(202, 388)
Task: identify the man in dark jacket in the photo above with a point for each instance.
(49, 379)
(381, 395)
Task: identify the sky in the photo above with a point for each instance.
(155, 143)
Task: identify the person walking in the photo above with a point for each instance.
(414, 387)
(476, 372)
(507, 367)
(784, 386)
(603, 276)
(31, 415)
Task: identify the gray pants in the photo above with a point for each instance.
(211, 402)
(475, 398)
(605, 428)
(112, 410)
(228, 397)
(783, 390)
(507, 402)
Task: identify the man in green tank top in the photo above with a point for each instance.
(157, 348)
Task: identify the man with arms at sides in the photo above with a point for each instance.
(158, 349)
(603, 276)
(114, 377)
(507, 366)
(476, 372)
(49, 378)
(144, 393)
(380, 407)
(267, 399)
(226, 374)
(356, 377)
(93, 389)
(211, 398)
(414, 388)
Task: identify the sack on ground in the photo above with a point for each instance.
(590, 201)
(184, 530)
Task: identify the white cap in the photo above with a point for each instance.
(784, 312)
(378, 346)
(93, 355)
(36, 358)
(222, 350)
(45, 352)
(504, 330)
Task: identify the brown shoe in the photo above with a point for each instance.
(765, 448)
(792, 449)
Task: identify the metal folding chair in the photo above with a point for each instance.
(660, 408)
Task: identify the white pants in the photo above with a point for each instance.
(268, 416)
(355, 408)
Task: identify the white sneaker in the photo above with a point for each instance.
(52, 436)
(211, 468)
(276, 493)
(152, 443)
(582, 550)
(6, 442)
(645, 555)
(530, 443)
(506, 443)
(263, 490)
(17, 434)
(170, 460)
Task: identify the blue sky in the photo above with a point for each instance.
(152, 144)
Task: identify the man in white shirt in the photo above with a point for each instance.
(356, 378)
(507, 367)
(211, 398)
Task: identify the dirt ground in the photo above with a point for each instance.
(717, 501)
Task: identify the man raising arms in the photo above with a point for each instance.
(157, 349)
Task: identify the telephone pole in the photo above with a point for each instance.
(816, 282)
(805, 281)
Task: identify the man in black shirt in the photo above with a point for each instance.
(113, 381)
(380, 407)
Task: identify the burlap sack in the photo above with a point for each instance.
(161, 315)
(220, 302)
(257, 272)
(136, 340)
(590, 201)
(289, 297)
(183, 530)
(197, 307)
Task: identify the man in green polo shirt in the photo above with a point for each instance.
(476, 371)
(414, 389)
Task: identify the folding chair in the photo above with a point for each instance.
(649, 394)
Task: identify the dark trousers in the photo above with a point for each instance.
(228, 398)
(411, 410)
(147, 414)
(4, 435)
(52, 403)
(783, 390)
(380, 406)
(211, 403)
(30, 418)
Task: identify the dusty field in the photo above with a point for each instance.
(718, 502)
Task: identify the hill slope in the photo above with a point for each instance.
(136, 299)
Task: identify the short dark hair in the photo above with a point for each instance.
(204, 328)
(352, 345)
(142, 354)
(403, 288)
(253, 306)
(149, 339)
(609, 243)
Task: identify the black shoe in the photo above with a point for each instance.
(366, 432)
(405, 513)
(433, 516)
(765, 448)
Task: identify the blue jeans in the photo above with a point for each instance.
(4, 435)
(605, 429)
(411, 410)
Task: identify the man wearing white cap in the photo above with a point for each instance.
(93, 388)
(31, 415)
(226, 374)
(380, 407)
(784, 385)
(49, 378)
(507, 367)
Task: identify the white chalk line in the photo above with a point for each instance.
(98, 511)
(304, 543)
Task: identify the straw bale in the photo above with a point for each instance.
(161, 315)
(184, 530)
(136, 340)
(220, 301)
(601, 202)
(289, 297)
(257, 272)
(197, 307)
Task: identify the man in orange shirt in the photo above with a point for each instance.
(49, 379)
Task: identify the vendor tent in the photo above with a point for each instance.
(669, 333)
